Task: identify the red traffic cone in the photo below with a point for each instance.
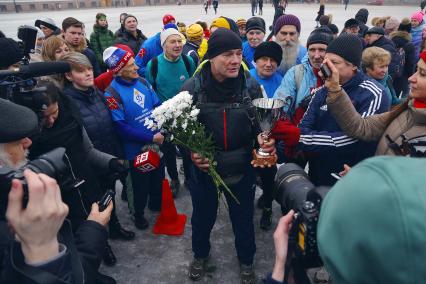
(169, 222)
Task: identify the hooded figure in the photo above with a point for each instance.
(362, 17)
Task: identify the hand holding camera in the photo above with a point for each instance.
(38, 224)
(331, 76)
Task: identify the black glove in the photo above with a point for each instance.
(116, 167)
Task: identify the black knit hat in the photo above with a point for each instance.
(351, 23)
(375, 30)
(347, 46)
(222, 40)
(9, 52)
(333, 28)
(319, 37)
(269, 49)
(16, 122)
(255, 23)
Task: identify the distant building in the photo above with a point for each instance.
(11, 6)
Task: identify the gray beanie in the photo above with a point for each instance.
(16, 122)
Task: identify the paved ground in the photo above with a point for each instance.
(162, 259)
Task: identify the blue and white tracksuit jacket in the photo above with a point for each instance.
(327, 146)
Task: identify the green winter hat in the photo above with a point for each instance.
(372, 226)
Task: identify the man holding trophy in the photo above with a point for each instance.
(223, 92)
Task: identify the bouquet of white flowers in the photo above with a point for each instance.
(178, 117)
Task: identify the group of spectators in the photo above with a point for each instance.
(371, 103)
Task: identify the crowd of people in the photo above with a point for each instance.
(349, 96)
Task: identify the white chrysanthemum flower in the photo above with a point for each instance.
(194, 112)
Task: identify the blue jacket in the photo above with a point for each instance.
(328, 146)
(148, 50)
(416, 37)
(248, 55)
(136, 103)
(301, 53)
(288, 87)
(269, 84)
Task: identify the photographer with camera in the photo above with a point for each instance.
(62, 126)
(371, 225)
(321, 138)
(44, 249)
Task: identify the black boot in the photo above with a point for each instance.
(109, 257)
(118, 232)
(104, 279)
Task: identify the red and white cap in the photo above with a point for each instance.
(116, 58)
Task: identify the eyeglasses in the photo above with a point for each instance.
(288, 33)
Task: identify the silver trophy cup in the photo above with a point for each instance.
(268, 112)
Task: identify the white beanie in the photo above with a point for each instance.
(168, 32)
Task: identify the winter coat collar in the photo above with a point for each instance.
(401, 34)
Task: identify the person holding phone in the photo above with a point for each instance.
(327, 147)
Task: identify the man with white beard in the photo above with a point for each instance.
(287, 32)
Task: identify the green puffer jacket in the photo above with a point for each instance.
(100, 39)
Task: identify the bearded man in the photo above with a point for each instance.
(287, 32)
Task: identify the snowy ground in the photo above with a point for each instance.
(162, 259)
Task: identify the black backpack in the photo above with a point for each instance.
(154, 69)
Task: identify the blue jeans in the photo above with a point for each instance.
(205, 205)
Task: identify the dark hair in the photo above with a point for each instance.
(123, 14)
(100, 15)
(2, 35)
(129, 16)
(71, 22)
(50, 94)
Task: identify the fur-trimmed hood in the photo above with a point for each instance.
(403, 34)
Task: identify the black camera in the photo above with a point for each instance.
(326, 72)
(19, 84)
(53, 164)
(294, 190)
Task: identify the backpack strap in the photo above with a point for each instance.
(154, 69)
(187, 64)
(298, 76)
(154, 72)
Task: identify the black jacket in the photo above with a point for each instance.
(133, 42)
(87, 162)
(402, 40)
(228, 116)
(80, 262)
(96, 119)
(191, 49)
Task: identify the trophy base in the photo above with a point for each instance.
(260, 160)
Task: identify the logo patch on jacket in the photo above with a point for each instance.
(142, 52)
(324, 107)
(139, 98)
(112, 103)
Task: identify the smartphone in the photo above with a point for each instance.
(105, 200)
(336, 176)
(326, 72)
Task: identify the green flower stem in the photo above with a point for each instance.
(218, 181)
